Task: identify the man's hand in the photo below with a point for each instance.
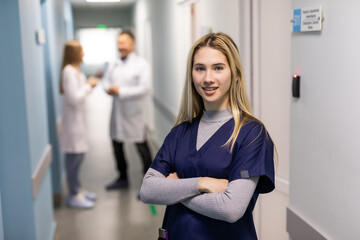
(212, 185)
(113, 89)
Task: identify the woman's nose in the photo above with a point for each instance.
(209, 79)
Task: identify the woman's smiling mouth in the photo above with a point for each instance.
(209, 89)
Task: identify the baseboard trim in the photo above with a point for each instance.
(53, 235)
(57, 199)
(299, 229)
(41, 169)
(282, 185)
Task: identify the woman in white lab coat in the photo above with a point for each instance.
(75, 88)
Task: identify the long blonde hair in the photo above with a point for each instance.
(192, 104)
(72, 55)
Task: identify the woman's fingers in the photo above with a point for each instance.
(173, 176)
(92, 81)
(212, 185)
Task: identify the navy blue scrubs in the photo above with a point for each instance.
(252, 156)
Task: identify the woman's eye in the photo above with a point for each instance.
(219, 68)
(199, 69)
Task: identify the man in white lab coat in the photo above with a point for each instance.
(128, 81)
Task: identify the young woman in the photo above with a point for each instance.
(76, 88)
(218, 157)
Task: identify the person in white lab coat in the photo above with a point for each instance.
(128, 81)
(75, 88)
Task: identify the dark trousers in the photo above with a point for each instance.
(121, 164)
(72, 166)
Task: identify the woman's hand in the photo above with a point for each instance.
(212, 185)
(173, 176)
(92, 81)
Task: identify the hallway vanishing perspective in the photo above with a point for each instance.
(118, 214)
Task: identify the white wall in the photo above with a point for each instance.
(170, 43)
(324, 169)
(275, 76)
(221, 16)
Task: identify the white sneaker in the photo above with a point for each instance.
(89, 195)
(79, 201)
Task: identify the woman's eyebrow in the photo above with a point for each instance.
(215, 64)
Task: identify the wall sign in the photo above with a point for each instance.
(307, 19)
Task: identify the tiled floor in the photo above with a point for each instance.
(118, 214)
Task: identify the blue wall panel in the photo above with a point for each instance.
(28, 87)
(44, 222)
(23, 124)
(35, 86)
(15, 168)
(51, 79)
(69, 21)
(1, 222)
(34, 77)
(53, 14)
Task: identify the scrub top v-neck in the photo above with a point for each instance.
(252, 156)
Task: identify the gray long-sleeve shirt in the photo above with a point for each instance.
(227, 206)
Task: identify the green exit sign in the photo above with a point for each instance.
(101, 26)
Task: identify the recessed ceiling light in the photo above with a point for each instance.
(103, 1)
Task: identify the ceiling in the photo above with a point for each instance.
(84, 4)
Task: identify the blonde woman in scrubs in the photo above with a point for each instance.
(218, 157)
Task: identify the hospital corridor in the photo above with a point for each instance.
(179, 120)
(126, 216)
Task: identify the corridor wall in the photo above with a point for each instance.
(69, 20)
(324, 166)
(54, 13)
(24, 143)
(15, 168)
(167, 79)
(222, 19)
(1, 222)
(273, 91)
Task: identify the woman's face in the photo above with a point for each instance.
(212, 78)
